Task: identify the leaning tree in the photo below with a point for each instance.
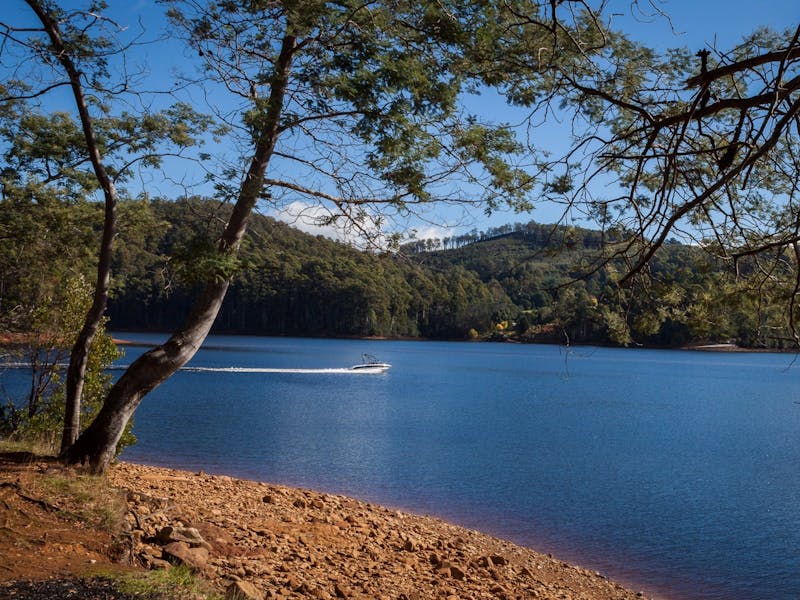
(351, 105)
(355, 106)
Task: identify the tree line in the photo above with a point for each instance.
(523, 281)
(298, 284)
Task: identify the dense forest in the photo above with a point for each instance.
(291, 283)
(526, 282)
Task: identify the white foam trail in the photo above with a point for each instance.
(227, 369)
(261, 370)
(266, 370)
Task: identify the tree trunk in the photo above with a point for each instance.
(97, 445)
(79, 357)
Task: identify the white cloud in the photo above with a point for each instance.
(308, 218)
(316, 219)
(433, 232)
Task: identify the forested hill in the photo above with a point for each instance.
(291, 283)
(506, 283)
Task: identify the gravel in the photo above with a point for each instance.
(52, 589)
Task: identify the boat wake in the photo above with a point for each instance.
(267, 370)
(348, 371)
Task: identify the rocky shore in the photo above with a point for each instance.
(256, 540)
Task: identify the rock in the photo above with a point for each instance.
(327, 547)
(218, 538)
(189, 535)
(457, 573)
(181, 553)
(447, 569)
(147, 550)
(159, 564)
(296, 585)
(481, 561)
(242, 590)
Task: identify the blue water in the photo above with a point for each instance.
(677, 473)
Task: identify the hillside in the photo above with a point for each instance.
(527, 282)
(291, 283)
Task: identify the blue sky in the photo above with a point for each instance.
(704, 22)
(694, 24)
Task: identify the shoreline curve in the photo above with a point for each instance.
(291, 542)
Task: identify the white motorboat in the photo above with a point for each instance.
(370, 364)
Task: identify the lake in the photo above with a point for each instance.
(673, 472)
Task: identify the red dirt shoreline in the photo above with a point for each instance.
(299, 543)
(276, 542)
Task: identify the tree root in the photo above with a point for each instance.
(37, 501)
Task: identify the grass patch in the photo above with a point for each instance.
(86, 502)
(176, 583)
(40, 448)
(84, 498)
